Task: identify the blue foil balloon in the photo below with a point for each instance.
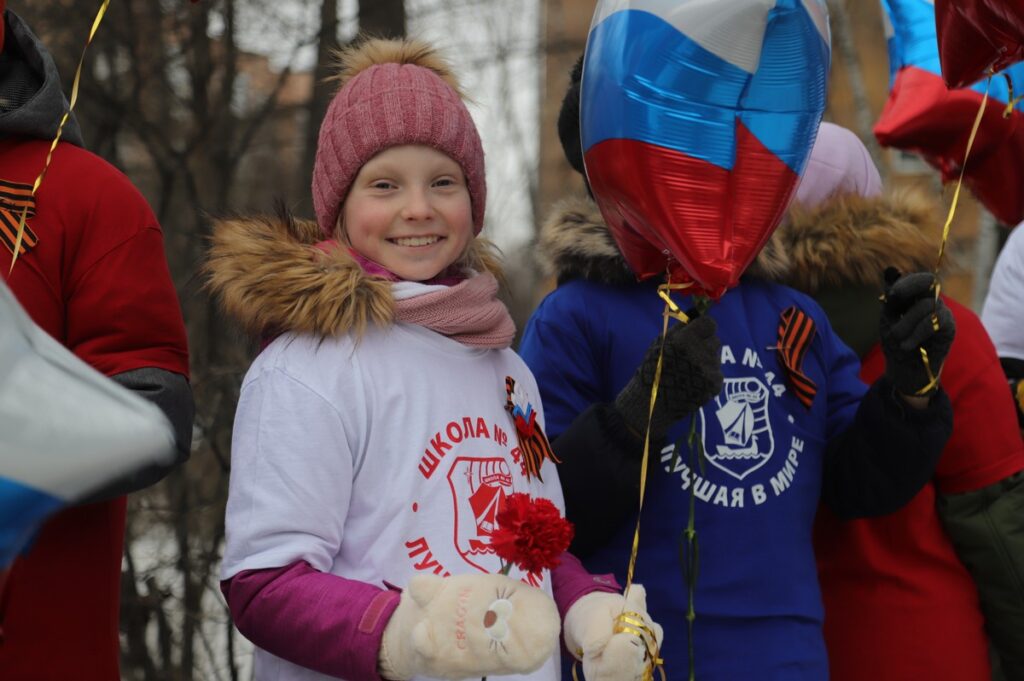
(697, 117)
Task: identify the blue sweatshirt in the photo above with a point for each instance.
(758, 606)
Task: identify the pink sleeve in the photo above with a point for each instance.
(326, 623)
(570, 581)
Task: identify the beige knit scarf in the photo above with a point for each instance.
(468, 312)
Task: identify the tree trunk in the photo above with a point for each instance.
(327, 44)
(382, 18)
(845, 48)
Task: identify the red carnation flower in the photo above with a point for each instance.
(531, 533)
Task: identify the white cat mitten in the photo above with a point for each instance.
(468, 626)
(613, 648)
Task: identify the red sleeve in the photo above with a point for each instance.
(986, 443)
(123, 312)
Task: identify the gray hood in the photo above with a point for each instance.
(24, 58)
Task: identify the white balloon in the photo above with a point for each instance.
(65, 429)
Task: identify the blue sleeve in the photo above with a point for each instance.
(557, 348)
(599, 467)
(880, 453)
(845, 389)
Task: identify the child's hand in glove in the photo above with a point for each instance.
(590, 635)
(468, 626)
(912, 318)
(691, 374)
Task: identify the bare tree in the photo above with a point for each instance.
(327, 46)
(171, 98)
(383, 18)
(846, 50)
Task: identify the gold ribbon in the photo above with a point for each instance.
(933, 377)
(1013, 101)
(671, 311)
(963, 169)
(60, 130)
(629, 622)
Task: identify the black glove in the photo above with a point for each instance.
(691, 374)
(909, 315)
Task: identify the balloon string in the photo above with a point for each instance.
(933, 376)
(671, 311)
(1013, 101)
(629, 622)
(60, 131)
(960, 180)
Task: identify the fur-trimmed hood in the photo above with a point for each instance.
(271, 274)
(850, 240)
(575, 243)
(846, 240)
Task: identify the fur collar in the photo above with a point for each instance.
(575, 243)
(850, 240)
(269, 275)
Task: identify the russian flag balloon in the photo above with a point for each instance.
(921, 115)
(978, 35)
(697, 117)
(65, 429)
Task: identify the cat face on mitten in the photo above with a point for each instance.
(489, 617)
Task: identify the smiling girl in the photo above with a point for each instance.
(374, 441)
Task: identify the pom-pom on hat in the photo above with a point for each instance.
(393, 92)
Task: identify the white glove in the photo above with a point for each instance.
(468, 626)
(590, 636)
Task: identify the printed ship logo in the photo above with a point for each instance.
(741, 428)
(479, 490)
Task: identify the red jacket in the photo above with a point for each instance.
(97, 281)
(899, 604)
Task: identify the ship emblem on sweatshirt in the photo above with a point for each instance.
(740, 415)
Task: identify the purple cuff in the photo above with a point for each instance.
(570, 581)
(327, 623)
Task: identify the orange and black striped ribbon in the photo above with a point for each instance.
(533, 443)
(16, 197)
(796, 332)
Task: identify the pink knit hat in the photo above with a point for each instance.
(839, 164)
(393, 92)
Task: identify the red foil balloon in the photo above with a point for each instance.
(976, 36)
(696, 121)
(922, 115)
